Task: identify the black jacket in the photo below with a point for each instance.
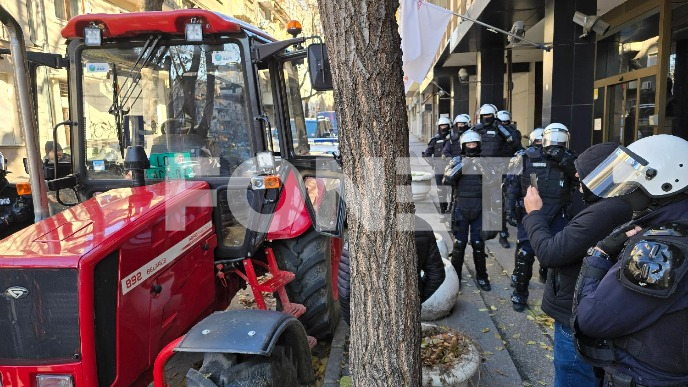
(563, 253)
(429, 261)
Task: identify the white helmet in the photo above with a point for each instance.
(657, 164)
(443, 121)
(463, 118)
(504, 115)
(555, 134)
(488, 109)
(469, 136)
(535, 135)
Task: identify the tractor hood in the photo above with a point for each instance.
(108, 218)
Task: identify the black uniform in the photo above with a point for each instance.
(555, 184)
(467, 215)
(499, 141)
(644, 324)
(434, 150)
(452, 147)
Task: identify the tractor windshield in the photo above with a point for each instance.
(185, 104)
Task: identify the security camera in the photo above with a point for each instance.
(590, 23)
(518, 29)
(463, 75)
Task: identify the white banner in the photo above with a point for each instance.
(422, 27)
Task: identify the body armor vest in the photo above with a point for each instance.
(470, 191)
(439, 144)
(491, 142)
(454, 145)
(661, 345)
(553, 184)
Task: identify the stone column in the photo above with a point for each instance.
(568, 71)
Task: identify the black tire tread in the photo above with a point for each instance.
(308, 257)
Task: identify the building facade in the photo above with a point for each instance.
(620, 81)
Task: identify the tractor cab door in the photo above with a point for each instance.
(290, 105)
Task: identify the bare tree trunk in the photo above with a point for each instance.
(152, 5)
(364, 50)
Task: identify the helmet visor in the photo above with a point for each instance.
(619, 174)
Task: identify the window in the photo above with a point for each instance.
(634, 47)
(30, 13)
(10, 134)
(66, 9)
(186, 106)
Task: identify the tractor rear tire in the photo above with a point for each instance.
(309, 257)
(344, 285)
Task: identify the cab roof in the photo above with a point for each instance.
(118, 25)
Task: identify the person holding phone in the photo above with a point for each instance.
(555, 178)
(563, 252)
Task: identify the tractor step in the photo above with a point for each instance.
(293, 309)
(312, 341)
(275, 282)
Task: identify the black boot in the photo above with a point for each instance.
(479, 259)
(457, 257)
(514, 277)
(523, 271)
(502, 239)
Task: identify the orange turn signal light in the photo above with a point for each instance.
(294, 27)
(272, 181)
(23, 188)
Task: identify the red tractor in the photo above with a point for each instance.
(179, 199)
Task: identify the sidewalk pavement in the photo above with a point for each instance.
(516, 347)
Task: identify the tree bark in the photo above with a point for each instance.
(152, 5)
(365, 54)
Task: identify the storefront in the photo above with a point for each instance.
(640, 72)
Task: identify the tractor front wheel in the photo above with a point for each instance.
(279, 369)
(309, 257)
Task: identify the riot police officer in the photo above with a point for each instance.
(467, 174)
(631, 299)
(452, 148)
(556, 179)
(434, 150)
(513, 203)
(497, 141)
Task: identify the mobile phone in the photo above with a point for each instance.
(533, 180)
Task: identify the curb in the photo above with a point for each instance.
(333, 371)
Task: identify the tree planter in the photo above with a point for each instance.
(420, 184)
(443, 300)
(449, 357)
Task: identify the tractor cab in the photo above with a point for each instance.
(202, 94)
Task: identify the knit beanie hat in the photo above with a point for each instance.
(592, 157)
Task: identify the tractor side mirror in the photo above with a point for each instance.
(319, 67)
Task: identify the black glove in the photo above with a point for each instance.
(511, 218)
(614, 242)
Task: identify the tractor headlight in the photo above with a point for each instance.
(193, 31)
(265, 161)
(93, 36)
(54, 381)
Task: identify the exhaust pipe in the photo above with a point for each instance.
(27, 115)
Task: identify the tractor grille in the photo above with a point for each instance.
(38, 316)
